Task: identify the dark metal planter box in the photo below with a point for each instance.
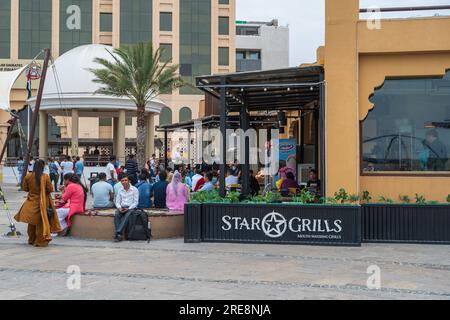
(274, 224)
(192, 223)
(427, 224)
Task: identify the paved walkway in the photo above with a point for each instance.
(171, 269)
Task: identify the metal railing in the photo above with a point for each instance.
(409, 8)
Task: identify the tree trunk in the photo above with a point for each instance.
(141, 137)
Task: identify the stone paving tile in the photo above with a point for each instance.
(171, 269)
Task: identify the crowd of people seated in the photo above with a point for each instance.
(125, 188)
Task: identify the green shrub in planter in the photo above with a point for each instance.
(273, 197)
(257, 199)
(420, 199)
(382, 199)
(354, 199)
(330, 200)
(233, 197)
(366, 197)
(206, 197)
(305, 197)
(448, 198)
(342, 196)
(405, 199)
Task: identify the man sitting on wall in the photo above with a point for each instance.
(159, 191)
(145, 192)
(126, 201)
(103, 193)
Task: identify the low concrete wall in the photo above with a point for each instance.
(101, 227)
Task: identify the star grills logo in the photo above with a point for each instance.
(274, 225)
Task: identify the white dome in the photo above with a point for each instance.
(73, 69)
(71, 78)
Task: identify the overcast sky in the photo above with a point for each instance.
(306, 19)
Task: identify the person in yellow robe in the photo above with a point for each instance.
(34, 210)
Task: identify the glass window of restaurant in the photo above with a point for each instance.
(408, 129)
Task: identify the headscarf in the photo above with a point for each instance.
(175, 181)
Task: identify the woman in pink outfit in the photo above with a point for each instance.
(73, 200)
(176, 194)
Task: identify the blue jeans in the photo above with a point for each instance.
(121, 221)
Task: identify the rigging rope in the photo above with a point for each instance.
(59, 92)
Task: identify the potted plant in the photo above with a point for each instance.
(342, 196)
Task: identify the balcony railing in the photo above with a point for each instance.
(243, 65)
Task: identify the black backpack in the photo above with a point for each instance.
(138, 228)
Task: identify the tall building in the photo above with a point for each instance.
(261, 46)
(196, 34)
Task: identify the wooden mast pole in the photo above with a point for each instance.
(35, 117)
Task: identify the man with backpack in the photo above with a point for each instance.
(126, 201)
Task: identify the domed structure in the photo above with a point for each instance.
(69, 85)
(70, 91)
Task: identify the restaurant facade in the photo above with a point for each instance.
(371, 115)
(387, 122)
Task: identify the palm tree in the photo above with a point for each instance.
(137, 72)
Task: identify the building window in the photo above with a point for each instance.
(165, 21)
(195, 42)
(106, 22)
(129, 121)
(224, 56)
(5, 29)
(240, 55)
(185, 114)
(409, 128)
(165, 117)
(35, 27)
(135, 21)
(166, 52)
(247, 31)
(105, 122)
(254, 55)
(224, 26)
(224, 2)
(72, 35)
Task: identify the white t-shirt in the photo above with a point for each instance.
(231, 180)
(67, 167)
(109, 168)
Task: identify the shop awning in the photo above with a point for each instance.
(214, 122)
(283, 89)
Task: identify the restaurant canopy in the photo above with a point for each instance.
(272, 91)
(282, 90)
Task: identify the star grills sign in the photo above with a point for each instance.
(274, 225)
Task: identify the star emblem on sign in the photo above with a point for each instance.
(274, 225)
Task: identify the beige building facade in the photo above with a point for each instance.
(197, 35)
